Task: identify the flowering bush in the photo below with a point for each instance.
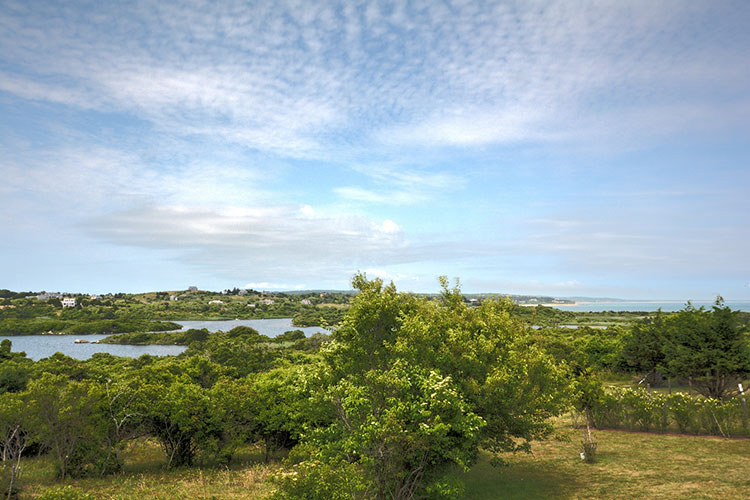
(638, 409)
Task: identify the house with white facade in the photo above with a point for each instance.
(69, 302)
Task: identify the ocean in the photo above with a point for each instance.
(649, 306)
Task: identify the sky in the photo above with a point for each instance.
(578, 148)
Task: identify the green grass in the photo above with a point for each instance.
(629, 465)
(146, 478)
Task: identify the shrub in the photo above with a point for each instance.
(683, 410)
(640, 410)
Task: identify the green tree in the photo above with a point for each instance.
(69, 418)
(14, 437)
(418, 385)
(643, 347)
(181, 416)
(709, 347)
(281, 406)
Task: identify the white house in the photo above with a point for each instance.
(68, 302)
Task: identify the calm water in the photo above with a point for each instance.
(43, 346)
(670, 306)
(269, 327)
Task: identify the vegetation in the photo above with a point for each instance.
(641, 410)
(36, 326)
(630, 465)
(408, 398)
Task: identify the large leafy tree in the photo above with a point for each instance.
(418, 385)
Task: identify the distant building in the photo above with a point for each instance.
(69, 302)
(242, 292)
(268, 302)
(50, 295)
(215, 302)
(173, 297)
(192, 289)
(307, 302)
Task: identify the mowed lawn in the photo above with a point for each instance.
(629, 465)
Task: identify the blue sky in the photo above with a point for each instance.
(564, 148)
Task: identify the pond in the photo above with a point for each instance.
(269, 327)
(43, 346)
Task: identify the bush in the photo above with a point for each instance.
(682, 410)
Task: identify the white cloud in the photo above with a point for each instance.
(400, 185)
(389, 227)
(99, 179)
(265, 285)
(386, 275)
(263, 242)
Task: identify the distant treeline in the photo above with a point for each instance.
(37, 326)
(10, 294)
(191, 336)
(319, 316)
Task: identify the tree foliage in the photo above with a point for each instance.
(709, 347)
(417, 386)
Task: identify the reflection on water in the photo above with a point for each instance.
(43, 346)
(269, 327)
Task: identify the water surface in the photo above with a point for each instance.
(648, 306)
(43, 346)
(269, 327)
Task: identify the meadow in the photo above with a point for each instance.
(628, 465)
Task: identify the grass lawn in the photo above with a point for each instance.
(629, 465)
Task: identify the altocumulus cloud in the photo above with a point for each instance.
(327, 79)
